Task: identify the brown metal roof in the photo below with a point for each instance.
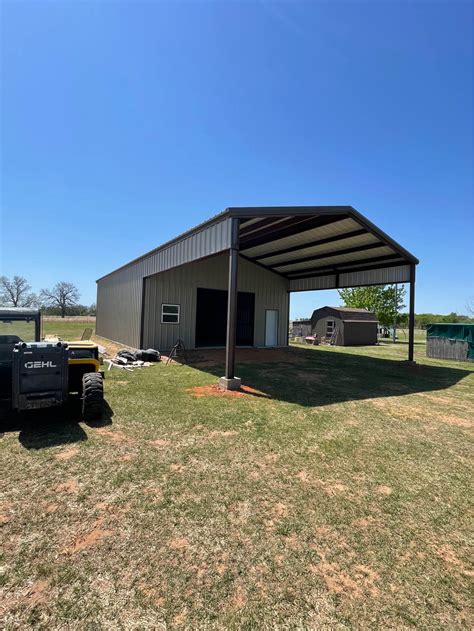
(304, 242)
(298, 242)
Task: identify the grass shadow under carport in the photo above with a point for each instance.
(322, 376)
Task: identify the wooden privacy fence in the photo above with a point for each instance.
(445, 348)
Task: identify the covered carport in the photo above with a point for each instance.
(313, 248)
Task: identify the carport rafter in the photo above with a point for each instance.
(295, 225)
(328, 255)
(310, 244)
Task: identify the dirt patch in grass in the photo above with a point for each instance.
(67, 454)
(280, 510)
(160, 442)
(359, 582)
(303, 476)
(332, 488)
(70, 486)
(38, 594)
(178, 543)
(180, 619)
(383, 489)
(5, 507)
(177, 467)
(115, 436)
(90, 539)
(222, 433)
(239, 597)
(214, 390)
(364, 522)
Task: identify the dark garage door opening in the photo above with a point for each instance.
(211, 317)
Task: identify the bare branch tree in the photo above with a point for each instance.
(470, 306)
(63, 296)
(16, 292)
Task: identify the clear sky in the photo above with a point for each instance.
(125, 123)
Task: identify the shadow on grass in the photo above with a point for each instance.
(318, 376)
(51, 427)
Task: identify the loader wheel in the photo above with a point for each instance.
(92, 396)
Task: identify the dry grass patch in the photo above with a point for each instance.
(67, 454)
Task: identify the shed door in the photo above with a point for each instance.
(271, 327)
(211, 317)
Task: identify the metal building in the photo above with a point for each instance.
(228, 280)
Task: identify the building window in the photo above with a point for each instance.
(329, 327)
(169, 314)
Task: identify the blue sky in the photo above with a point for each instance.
(124, 124)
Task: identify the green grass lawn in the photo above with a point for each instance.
(65, 330)
(335, 496)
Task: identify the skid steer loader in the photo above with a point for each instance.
(40, 374)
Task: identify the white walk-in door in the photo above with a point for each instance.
(271, 327)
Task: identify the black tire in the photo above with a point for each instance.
(92, 396)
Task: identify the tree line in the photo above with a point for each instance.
(61, 300)
(387, 302)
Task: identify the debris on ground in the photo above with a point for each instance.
(129, 359)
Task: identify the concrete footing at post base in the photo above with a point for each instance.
(230, 384)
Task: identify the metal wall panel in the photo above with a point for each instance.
(310, 284)
(179, 286)
(376, 276)
(119, 299)
(119, 295)
(382, 276)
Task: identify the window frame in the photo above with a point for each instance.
(330, 324)
(178, 314)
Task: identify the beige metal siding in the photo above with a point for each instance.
(119, 299)
(179, 286)
(318, 282)
(382, 276)
(119, 295)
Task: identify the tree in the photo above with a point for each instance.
(63, 296)
(470, 306)
(16, 292)
(385, 301)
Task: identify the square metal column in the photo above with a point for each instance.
(230, 381)
(411, 315)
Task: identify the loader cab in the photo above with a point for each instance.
(16, 325)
